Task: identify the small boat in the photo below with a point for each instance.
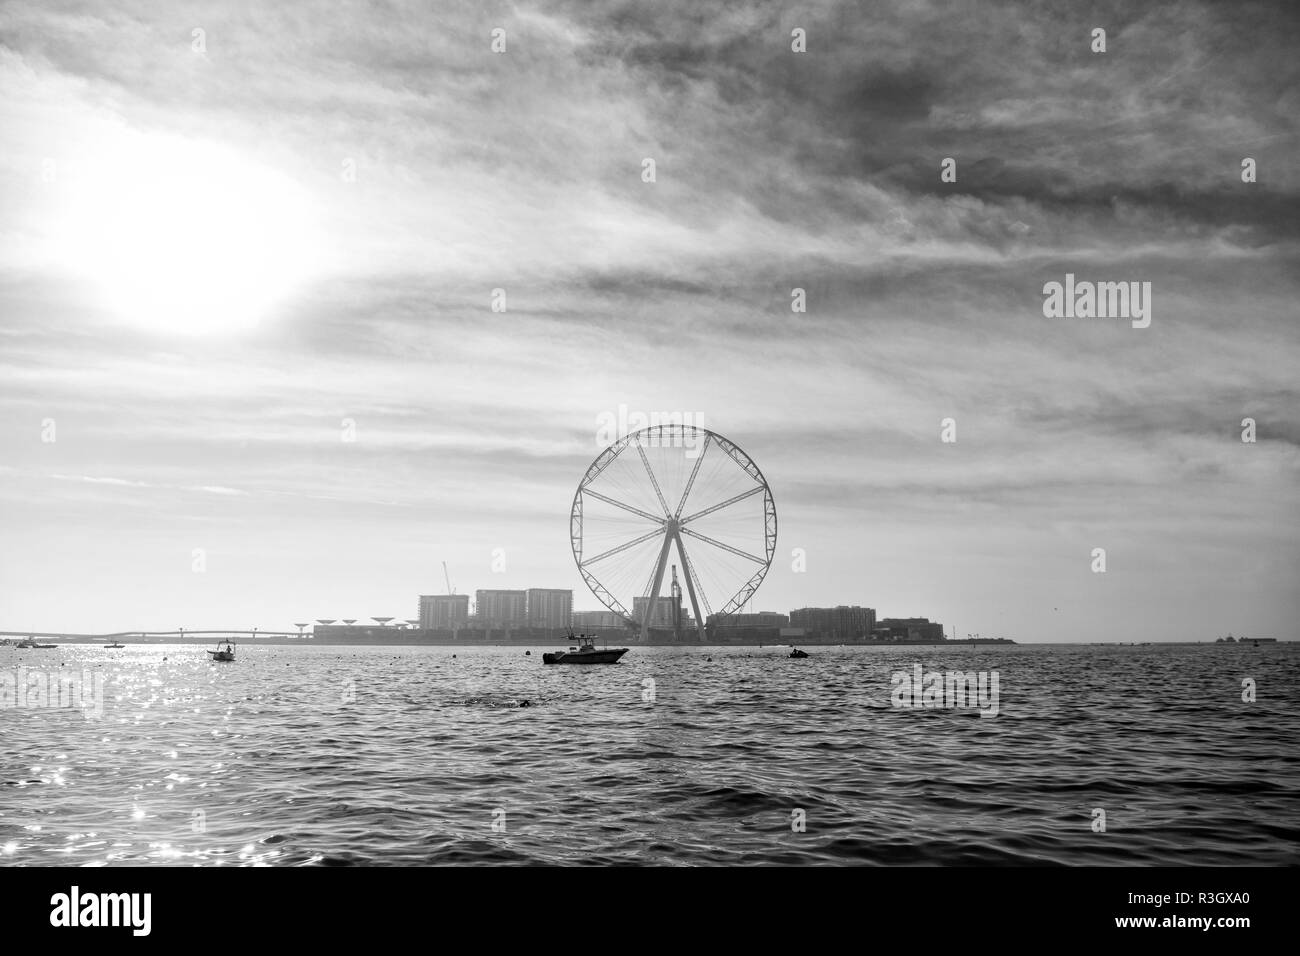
(796, 653)
(585, 653)
(115, 645)
(34, 646)
(225, 652)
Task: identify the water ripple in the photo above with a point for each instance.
(302, 756)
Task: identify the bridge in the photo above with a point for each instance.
(152, 636)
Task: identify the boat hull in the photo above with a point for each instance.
(608, 655)
(221, 657)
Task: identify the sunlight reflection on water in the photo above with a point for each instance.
(404, 755)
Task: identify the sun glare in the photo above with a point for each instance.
(185, 237)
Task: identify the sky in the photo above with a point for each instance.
(251, 373)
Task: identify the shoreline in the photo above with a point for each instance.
(136, 638)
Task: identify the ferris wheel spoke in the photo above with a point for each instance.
(718, 507)
(622, 547)
(653, 480)
(725, 547)
(699, 460)
(625, 507)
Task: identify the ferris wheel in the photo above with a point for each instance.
(650, 491)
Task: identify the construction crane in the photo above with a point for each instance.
(447, 578)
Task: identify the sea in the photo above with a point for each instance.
(348, 755)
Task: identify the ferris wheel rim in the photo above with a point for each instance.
(677, 523)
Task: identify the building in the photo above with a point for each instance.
(443, 611)
(909, 629)
(550, 607)
(588, 619)
(843, 623)
(501, 608)
(661, 616)
(759, 619)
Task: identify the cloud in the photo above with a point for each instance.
(775, 171)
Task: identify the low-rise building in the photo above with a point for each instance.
(589, 619)
(914, 629)
(841, 623)
(759, 619)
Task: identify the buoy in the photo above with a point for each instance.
(524, 703)
(528, 653)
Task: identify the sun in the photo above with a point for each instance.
(185, 237)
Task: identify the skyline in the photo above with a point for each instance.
(200, 380)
